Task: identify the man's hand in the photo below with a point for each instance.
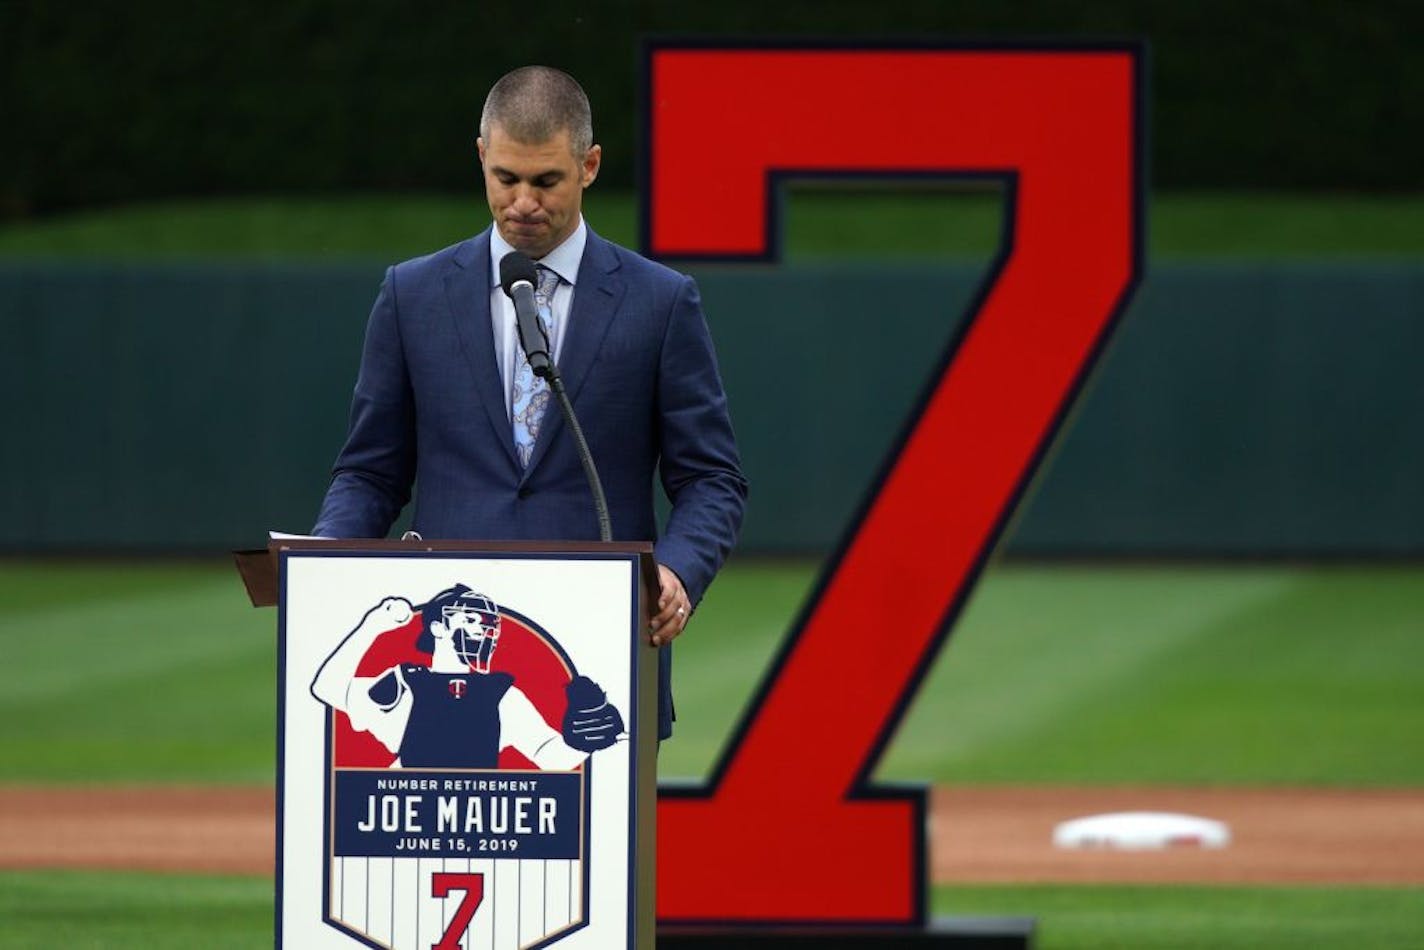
(590, 722)
(673, 608)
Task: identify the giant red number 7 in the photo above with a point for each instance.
(790, 828)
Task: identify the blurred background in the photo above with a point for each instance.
(1215, 581)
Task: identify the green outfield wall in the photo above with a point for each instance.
(1242, 409)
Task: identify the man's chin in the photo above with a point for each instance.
(533, 243)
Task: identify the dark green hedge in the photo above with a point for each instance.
(107, 101)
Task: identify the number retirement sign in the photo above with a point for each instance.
(459, 765)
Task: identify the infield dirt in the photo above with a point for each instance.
(986, 835)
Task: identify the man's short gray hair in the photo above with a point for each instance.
(533, 104)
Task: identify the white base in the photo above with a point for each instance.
(1141, 831)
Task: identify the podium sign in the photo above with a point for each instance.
(468, 746)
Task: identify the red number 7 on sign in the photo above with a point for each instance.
(441, 884)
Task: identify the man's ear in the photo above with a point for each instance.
(592, 159)
(480, 150)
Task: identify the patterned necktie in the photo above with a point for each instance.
(530, 395)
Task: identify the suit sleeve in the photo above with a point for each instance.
(700, 468)
(372, 477)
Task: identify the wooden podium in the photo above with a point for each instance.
(467, 743)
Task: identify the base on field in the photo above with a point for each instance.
(950, 933)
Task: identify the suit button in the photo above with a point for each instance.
(525, 492)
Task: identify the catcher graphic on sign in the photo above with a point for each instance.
(456, 711)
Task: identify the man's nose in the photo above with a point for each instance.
(525, 200)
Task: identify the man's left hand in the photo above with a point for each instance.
(673, 608)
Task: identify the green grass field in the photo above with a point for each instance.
(1251, 675)
(820, 222)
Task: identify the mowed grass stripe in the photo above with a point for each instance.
(1038, 642)
(76, 633)
(119, 911)
(208, 721)
(1321, 684)
(46, 584)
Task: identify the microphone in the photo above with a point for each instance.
(518, 277)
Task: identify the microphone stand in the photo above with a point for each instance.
(550, 375)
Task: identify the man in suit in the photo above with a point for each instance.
(441, 403)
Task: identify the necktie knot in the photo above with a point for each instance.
(548, 283)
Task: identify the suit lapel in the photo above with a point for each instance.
(467, 289)
(596, 298)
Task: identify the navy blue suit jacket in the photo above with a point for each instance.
(637, 361)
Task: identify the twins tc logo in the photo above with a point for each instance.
(460, 734)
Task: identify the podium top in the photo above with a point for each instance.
(258, 566)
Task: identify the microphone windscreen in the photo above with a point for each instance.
(514, 267)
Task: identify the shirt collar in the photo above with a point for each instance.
(563, 260)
